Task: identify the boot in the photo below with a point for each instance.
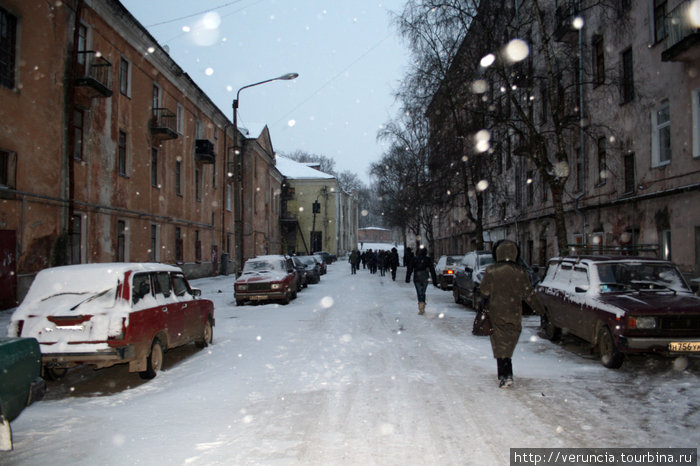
(421, 308)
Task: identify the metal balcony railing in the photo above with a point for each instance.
(682, 33)
(164, 123)
(95, 72)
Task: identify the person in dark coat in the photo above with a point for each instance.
(506, 285)
(422, 268)
(354, 261)
(393, 262)
(408, 257)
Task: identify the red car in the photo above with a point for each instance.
(621, 305)
(267, 278)
(106, 314)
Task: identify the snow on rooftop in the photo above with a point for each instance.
(299, 171)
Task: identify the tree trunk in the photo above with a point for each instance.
(557, 190)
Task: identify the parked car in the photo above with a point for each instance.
(322, 263)
(20, 382)
(468, 276)
(313, 268)
(445, 269)
(106, 314)
(621, 305)
(328, 258)
(302, 273)
(267, 278)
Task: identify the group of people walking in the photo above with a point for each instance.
(505, 285)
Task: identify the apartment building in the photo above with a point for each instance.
(630, 95)
(108, 150)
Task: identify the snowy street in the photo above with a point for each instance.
(349, 373)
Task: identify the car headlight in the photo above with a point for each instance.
(276, 286)
(241, 287)
(644, 323)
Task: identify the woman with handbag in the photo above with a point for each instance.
(506, 285)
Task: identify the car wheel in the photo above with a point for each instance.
(609, 355)
(286, 299)
(154, 361)
(207, 335)
(240, 302)
(455, 295)
(551, 331)
(55, 373)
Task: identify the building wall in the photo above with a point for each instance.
(306, 192)
(70, 206)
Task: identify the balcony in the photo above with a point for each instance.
(163, 124)
(565, 14)
(93, 74)
(682, 41)
(204, 151)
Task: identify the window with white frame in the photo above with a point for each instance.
(695, 98)
(661, 135)
(125, 77)
(180, 119)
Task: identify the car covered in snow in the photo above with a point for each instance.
(445, 268)
(112, 313)
(20, 382)
(468, 275)
(267, 278)
(621, 305)
(313, 268)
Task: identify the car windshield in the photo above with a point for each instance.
(452, 260)
(262, 266)
(621, 276)
(483, 260)
(308, 260)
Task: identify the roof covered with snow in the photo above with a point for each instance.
(299, 171)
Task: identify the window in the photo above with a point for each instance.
(154, 167)
(518, 190)
(695, 97)
(659, 23)
(602, 161)
(179, 253)
(75, 238)
(162, 284)
(661, 135)
(530, 188)
(629, 172)
(665, 244)
(125, 77)
(121, 156)
(627, 81)
(154, 244)
(198, 183)
(156, 97)
(8, 48)
(178, 177)
(8, 163)
(180, 119)
(228, 197)
(78, 134)
(81, 49)
(121, 241)
(598, 61)
(197, 247)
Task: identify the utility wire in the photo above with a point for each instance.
(194, 14)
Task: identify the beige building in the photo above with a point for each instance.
(634, 171)
(316, 214)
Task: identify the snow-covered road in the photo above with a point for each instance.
(348, 373)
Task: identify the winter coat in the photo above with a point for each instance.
(506, 285)
(420, 267)
(393, 259)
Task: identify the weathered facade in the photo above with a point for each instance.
(110, 152)
(634, 152)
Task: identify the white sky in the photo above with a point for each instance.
(348, 373)
(348, 56)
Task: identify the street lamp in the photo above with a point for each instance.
(238, 162)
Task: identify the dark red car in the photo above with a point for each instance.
(621, 305)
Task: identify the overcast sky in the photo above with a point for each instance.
(348, 54)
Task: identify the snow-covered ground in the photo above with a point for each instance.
(348, 373)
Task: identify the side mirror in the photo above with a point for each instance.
(196, 292)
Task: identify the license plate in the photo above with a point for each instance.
(258, 298)
(684, 346)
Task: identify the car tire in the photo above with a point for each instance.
(240, 302)
(154, 361)
(551, 331)
(207, 335)
(609, 354)
(455, 295)
(55, 373)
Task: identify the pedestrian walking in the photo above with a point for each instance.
(354, 261)
(422, 268)
(393, 262)
(506, 285)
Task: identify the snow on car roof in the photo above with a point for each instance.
(85, 278)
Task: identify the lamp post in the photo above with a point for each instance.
(238, 165)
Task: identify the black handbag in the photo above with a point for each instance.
(482, 322)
